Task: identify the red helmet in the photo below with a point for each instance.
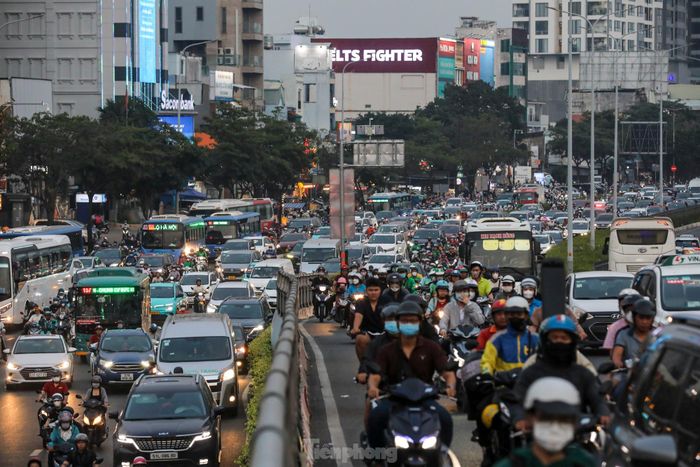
(498, 305)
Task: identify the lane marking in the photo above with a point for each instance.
(36, 453)
(332, 417)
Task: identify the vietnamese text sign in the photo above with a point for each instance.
(223, 85)
(147, 41)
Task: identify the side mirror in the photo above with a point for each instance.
(73, 349)
(6, 351)
(657, 450)
(219, 410)
(114, 415)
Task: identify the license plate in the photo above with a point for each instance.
(39, 374)
(127, 376)
(231, 277)
(161, 456)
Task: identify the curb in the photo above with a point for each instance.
(692, 226)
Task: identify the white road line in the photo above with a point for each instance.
(332, 417)
(36, 453)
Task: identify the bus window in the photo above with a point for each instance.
(66, 254)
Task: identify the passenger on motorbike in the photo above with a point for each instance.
(438, 303)
(557, 356)
(511, 347)
(553, 408)
(55, 386)
(500, 322)
(394, 293)
(50, 322)
(64, 432)
(477, 270)
(356, 286)
(82, 456)
(629, 343)
(368, 317)
(95, 338)
(462, 309)
(37, 318)
(409, 282)
(528, 288)
(626, 300)
(507, 289)
(411, 355)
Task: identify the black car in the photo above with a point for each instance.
(158, 263)
(169, 420)
(251, 314)
(658, 422)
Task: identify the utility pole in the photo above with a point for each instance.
(341, 164)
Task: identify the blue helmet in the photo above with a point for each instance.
(561, 322)
(442, 284)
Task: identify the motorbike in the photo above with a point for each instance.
(63, 326)
(3, 342)
(501, 439)
(47, 416)
(323, 297)
(94, 423)
(485, 306)
(344, 311)
(60, 453)
(200, 303)
(462, 341)
(34, 329)
(202, 264)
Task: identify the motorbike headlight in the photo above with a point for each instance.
(204, 436)
(12, 366)
(107, 363)
(97, 420)
(402, 442)
(44, 413)
(241, 350)
(440, 313)
(228, 375)
(64, 365)
(86, 420)
(322, 288)
(358, 296)
(429, 442)
(145, 363)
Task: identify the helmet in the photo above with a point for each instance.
(389, 311)
(553, 396)
(630, 300)
(625, 292)
(409, 307)
(57, 397)
(472, 284)
(442, 284)
(96, 379)
(414, 267)
(561, 322)
(474, 264)
(528, 282)
(65, 417)
(342, 280)
(415, 299)
(401, 268)
(81, 437)
(508, 280)
(644, 307)
(393, 277)
(140, 460)
(320, 269)
(517, 304)
(99, 326)
(455, 273)
(498, 306)
(460, 286)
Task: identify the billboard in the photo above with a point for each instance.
(147, 41)
(383, 55)
(379, 153)
(222, 85)
(446, 64)
(486, 62)
(314, 57)
(186, 123)
(472, 55)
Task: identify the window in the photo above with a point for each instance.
(541, 46)
(524, 25)
(521, 10)
(200, 13)
(659, 403)
(575, 26)
(505, 45)
(505, 68)
(63, 21)
(178, 20)
(560, 63)
(65, 66)
(309, 93)
(122, 29)
(86, 24)
(36, 24)
(541, 10)
(576, 8)
(223, 20)
(87, 69)
(541, 28)
(576, 44)
(476, 76)
(476, 59)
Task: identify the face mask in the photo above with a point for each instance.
(356, 281)
(56, 380)
(507, 288)
(472, 295)
(403, 276)
(414, 273)
(559, 354)
(528, 294)
(409, 329)
(364, 273)
(391, 327)
(95, 385)
(519, 324)
(553, 436)
(494, 276)
(462, 296)
(629, 317)
(65, 426)
(56, 403)
(394, 287)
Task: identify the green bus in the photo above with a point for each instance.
(107, 296)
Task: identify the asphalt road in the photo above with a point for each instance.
(20, 428)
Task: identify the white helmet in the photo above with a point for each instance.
(517, 304)
(553, 396)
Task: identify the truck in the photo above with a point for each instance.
(522, 174)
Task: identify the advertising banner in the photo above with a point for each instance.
(348, 204)
(223, 85)
(487, 62)
(313, 57)
(446, 64)
(147, 41)
(383, 55)
(186, 123)
(472, 55)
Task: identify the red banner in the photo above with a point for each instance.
(384, 55)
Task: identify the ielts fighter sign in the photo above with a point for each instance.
(384, 55)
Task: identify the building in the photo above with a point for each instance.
(479, 38)
(672, 34)
(694, 41)
(90, 50)
(511, 61)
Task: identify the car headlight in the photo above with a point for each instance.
(402, 442)
(204, 436)
(64, 365)
(125, 440)
(228, 375)
(169, 308)
(145, 363)
(429, 442)
(12, 366)
(107, 363)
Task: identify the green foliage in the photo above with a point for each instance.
(260, 360)
(585, 259)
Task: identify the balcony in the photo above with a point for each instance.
(252, 4)
(252, 64)
(252, 32)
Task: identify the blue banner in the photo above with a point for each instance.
(486, 68)
(186, 123)
(147, 41)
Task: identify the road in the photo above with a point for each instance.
(20, 427)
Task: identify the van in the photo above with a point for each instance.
(317, 251)
(636, 242)
(266, 270)
(201, 343)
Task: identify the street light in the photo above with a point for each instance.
(341, 164)
(177, 79)
(28, 18)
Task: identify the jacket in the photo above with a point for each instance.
(508, 349)
(451, 319)
(484, 287)
(55, 438)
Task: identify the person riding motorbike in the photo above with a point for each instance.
(356, 286)
(462, 310)
(95, 338)
(557, 356)
(500, 322)
(495, 281)
(629, 343)
(411, 355)
(394, 293)
(528, 288)
(82, 456)
(56, 403)
(320, 279)
(438, 302)
(368, 316)
(476, 271)
(409, 283)
(196, 290)
(55, 386)
(507, 288)
(97, 392)
(415, 274)
(626, 300)
(36, 319)
(553, 408)
(64, 432)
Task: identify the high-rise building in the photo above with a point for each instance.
(672, 34)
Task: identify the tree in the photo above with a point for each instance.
(132, 112)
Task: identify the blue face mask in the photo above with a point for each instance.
(391, 327)
(409, 329)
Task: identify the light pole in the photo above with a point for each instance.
(177, 79)
(569, 160)
(341, 164)
(28, 18)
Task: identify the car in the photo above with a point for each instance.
(267, 270)
(87, 262)
(389, 242)
(545, 242)
(37, 359)
(592, 296)
(555, 235)
(224, 290)
(454, 202)
(380, 261)
(581, 227)
(450, 230)
(522, 216)
(687, 242)
(290, 239)
(169, 419)
(160, 264)
(661, 402)
(270, 294)
(603, 221)
(322, 232)
(262, 243)
(235, 264)
(357, 253)
(252, 314)
(122, 355)
(673, 285)
(189, 281)
(167, 298)
(238, 244)
(422, 235)
(300, 223)
(294, 255)
(109, 256)
(383, 216)
(201, 343)
(654, 210)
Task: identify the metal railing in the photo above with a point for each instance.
(280, 430)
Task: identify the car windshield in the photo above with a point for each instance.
(580, 225)
(236, 258)
(162, 291)
(170, 236)
(109, 254)
(258, 241)
(325, 230)
(687, 243)
(292, 237)
(222, 293)
(154, 261)
(236, 246)
(332, 266)
(681, 292)
(642, 237)
(541, 238)
(38, 345)
(450, 229)
(195, 349)
(426, 233)
(299, 223)
(381, 259)
(383, 239)
(272, 285)
(265, 272)
(164, 405)
(119, 343)
(86, 262)
(604, 218)
(355, 254)
(317, 255)
(599, 288)
(242, 310)
(191, 279)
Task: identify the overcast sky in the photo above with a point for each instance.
(383, 18)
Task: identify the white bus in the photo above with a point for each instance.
(208, 207)
(32, 269)
(637, 242)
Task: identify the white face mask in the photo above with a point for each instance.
(528, 294)
(472, 295)
(629, 317)
(507, 288)
(463, 297)
(395, 287)
(553, 436)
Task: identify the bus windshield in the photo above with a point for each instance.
(162, 236)
(642, 236)
(502, 249)
(110, 308)
(5, 279)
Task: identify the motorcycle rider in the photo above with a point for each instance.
(411, 355)
(507, 289)
(64, 432)
(196, 290)
(95, 338)
(495, 281)
(626, 300)
(462, 310)
(476, 271)
(500, 322)
(97, 391)
(629, 343)
(55, 386)
(82, 456)
(36, 318)
(394, 293)
(557, 356)
(511, 347)
(553, 408)
(409, 282)
(368, 316)
(320, 279)
(356, 286)
(57, 403)
(439, 301)
(528, 289)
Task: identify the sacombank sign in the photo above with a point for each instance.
(383, 55)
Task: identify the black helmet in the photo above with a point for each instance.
(644, 307)
(389, 311)
(460, 286)
(394, 277)
(630, 300)
(408, 308)
(415, 299)
(96, 379)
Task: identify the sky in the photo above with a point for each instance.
(383, 18)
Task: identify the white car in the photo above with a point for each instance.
(189, 281)
(380, 261)
(389, 243)
(224, 290)
(270, 294)
(262, 243)
(37, 359)
(264, 271)
(581, 227)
